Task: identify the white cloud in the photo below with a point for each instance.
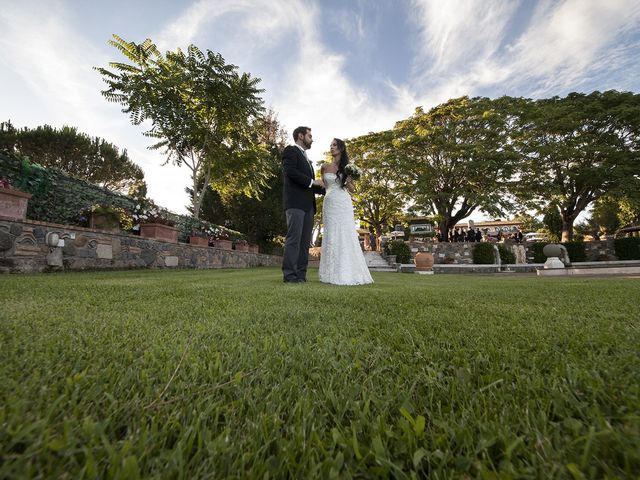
(310, 86)
(462, 48)
(568, 39)
(50, 62)
(562, 46)
(459, 33)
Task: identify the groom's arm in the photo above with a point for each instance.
(318, 189)
(291, 170)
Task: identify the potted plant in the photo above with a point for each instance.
(242, 245)
(220, 239)
(154, 223)
(107, 217)
(13, 203)
(198, 237)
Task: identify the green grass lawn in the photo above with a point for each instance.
(213, 374)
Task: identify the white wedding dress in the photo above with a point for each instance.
(341, 259)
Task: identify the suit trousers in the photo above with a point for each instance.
(297, 243)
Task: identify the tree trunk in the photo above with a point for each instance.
(443, 225)
(567, 229)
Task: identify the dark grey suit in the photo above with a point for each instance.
(300, 206)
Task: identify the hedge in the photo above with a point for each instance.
(483, 254)
(506, 255)
(400, 249)
(627, 248)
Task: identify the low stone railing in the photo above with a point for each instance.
(28, 246)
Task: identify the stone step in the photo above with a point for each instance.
(382, 269)
(376, 263)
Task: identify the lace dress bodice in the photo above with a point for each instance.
(341, 260)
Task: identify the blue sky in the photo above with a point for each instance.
(344, 68)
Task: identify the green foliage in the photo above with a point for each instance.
(529, 222)
(553, 222)
(201, 111)
(456, 154)
(576, 251)
(377, 199)
(261, 219)
(121, 217)
(538, 256)
(186, 225)
(77, 154)
(483, 253)
(400, 249)
(627, 248)
(576, 149)
(57, 197)
(219, 373)
(506, 255)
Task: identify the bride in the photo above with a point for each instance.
(341, 260)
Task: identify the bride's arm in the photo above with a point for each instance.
(351, 188)
(322, 169)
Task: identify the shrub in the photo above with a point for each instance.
(627, 248)
(576, 251)
(400, 249)
(120, 215)
(506, 255)
(483, 253)
(538, 256)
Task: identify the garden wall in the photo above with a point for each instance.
(462, 253)
(24, 249)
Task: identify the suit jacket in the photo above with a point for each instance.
(298, 174)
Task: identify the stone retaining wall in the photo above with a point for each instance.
(462, 252)
(26, 247)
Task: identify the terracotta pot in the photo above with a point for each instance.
(423, 261)
(13, 203)
(242, 247)
(200, 241)
(158, 231)
(109, 222)
(224, 244)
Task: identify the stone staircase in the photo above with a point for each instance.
(376, 263)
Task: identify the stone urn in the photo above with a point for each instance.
(423, 261)
(159, 231)
(13, 203)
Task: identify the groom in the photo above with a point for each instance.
(299, 202)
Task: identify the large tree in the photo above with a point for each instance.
(377, 199)
(577, 149)
(200, 109)
(261, 217)
(456, 159)
(91, 158)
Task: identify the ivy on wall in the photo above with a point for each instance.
(59, 198)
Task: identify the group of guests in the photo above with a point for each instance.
(462, 235)
(471, 235)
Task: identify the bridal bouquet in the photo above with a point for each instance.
(352, 171)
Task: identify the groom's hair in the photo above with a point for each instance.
(298, 131)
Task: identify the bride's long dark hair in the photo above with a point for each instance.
(344, 160)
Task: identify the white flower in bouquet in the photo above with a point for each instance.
(352, 171)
